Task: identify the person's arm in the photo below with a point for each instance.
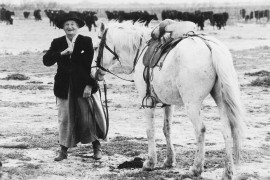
(52, 55)
(88, 58)
(91, 83)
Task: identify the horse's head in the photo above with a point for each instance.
(119, 45)
(106, 51)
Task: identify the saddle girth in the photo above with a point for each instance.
(156, 52)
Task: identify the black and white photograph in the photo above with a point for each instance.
(134, 90)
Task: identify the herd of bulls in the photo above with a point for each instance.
(141, 16)
(198, 17)
(255, 14)
(5, 15)
(90, 17)
(36, 14)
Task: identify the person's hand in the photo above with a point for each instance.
(67, 51)
(99, 75)
(87, 91)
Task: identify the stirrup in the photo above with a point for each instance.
(147, 99)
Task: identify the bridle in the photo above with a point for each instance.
(101, 49)
(103, 45)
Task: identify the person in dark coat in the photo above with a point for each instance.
(73, 54)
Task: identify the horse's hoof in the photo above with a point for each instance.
(148, 166)
(195, 171)
(169, 163)
(227, 177)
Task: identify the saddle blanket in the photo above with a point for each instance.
(174, 28)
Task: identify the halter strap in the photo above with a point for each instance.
(113, 52)
(136, 58)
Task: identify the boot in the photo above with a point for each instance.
(97, 150)
(62, 154)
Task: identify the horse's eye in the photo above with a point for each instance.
(95, 48)
(99, 37)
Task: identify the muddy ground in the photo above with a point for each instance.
(28, 114)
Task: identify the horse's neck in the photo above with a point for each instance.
(140, 51)
(136, 55)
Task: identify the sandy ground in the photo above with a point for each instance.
(28, 114)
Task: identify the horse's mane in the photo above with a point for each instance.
(127, 36)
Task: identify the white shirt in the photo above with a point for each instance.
(71, 43)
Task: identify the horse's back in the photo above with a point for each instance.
(191, 52)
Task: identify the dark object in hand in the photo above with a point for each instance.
(95, 87)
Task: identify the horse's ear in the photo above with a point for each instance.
(102, 27)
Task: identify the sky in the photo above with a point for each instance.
(124, 1)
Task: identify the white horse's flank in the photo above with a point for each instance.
(194, 69)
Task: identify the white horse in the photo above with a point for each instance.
(193, 69)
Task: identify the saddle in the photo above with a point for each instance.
(161, 44)
(157, 51)
(158, 48)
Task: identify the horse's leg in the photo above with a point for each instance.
(226, 131)
(151, 161)
(193, 111)
(170, 159)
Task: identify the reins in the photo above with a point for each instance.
(136, 58)
(106, 106)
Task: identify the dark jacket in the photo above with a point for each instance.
(74, 70)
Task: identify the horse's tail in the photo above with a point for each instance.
(230, 92)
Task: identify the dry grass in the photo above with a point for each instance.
(263, 82)
(25, 87)
(17, 76)
(259, 73)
